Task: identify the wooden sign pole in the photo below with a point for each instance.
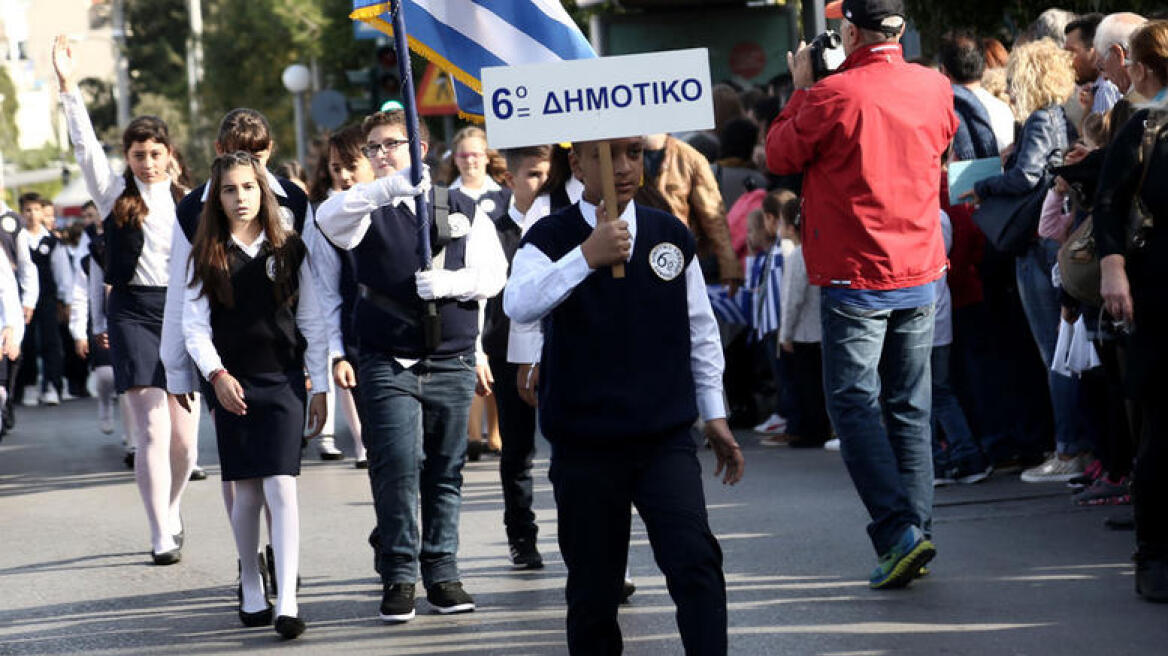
(608, 179)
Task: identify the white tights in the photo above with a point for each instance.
(279, 493)
(166, 438)
(103, 377)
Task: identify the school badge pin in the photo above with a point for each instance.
(270, 266)
(44, 249)
(459, 225)
(8, 224)
(487, 205)
(666, 261)
(286, 218)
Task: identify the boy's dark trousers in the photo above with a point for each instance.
(517, 427)
(42, 337)
(596, 486)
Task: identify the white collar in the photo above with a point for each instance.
(252, 248)
(514, 214)
(588, 211)
(574, 189)
(273, 183)
(489, 185)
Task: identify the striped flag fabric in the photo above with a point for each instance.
(727, 309)
(462, 37)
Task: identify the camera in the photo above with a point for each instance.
(827, 53)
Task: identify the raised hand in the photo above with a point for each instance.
(63, 62)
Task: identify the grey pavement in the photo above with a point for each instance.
(1019, 571)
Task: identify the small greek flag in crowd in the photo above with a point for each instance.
(463, 36)
(765, 277)
(734, 310)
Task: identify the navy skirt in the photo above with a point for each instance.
(135, 334)
(265, 441)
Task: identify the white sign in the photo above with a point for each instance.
(603, 98)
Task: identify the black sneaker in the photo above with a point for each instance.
(448, 598)
(397, 602)
(524, 554)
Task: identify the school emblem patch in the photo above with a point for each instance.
(487, 205)
(8, 224)
(287, 219)
(666, 261)
(459, 225)
(44, 249)
(270, 266)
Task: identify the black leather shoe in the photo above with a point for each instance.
(167, 557)
(289, 627)
(198, 474)
(1152, 579)
(180, 536)
(263, 577)
(260, 618)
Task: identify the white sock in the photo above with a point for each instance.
(245, 526)
(3, 395)
(103, 378)
(349, 407)
(148, 420)
(280, 493)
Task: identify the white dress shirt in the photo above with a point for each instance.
(488, 186)
(326, 271)
(538, 285)
(345, 218)
(196, 323)
(181, 376)
(88, 302)
(104, 186)
(26, 272)
(10, 310)
(58, 262)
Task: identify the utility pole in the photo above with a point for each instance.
(195, 65)
(121, 64)
(814, 22)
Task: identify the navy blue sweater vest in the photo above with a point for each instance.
(616, 353)
(258, 333)
(42, 257)
(386, 261)
(294, 203)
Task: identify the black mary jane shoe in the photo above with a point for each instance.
(289, 627)
(258, 618)
(167, 557)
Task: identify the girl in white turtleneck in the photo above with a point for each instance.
(139, 207)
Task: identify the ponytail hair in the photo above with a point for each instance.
(130, 209)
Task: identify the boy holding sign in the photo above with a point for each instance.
(627, 366)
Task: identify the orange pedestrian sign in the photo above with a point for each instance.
(436, 94)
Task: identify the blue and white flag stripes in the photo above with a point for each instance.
(734, 310)
(463, 36)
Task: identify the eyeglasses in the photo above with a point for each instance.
(466, 155)
(375, 149)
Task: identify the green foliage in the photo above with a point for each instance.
(157, 47)
(8, 107)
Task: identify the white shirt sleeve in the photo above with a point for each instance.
(79, 305)
(62, 272)
(344, 218)
(525, 342)
(538, 285)
(484, 270)
(311, 322)
(97, 299)
(103, 184)
(196, 326)
(26, 272)
(706, 359)
(326, 272)
(172, 350)
(10, 310)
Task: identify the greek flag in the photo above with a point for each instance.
(462, 37)
(727, 309)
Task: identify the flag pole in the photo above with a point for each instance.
(431, 327)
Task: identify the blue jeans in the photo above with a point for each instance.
(414, 427)
(1040, 301)
(877, 383)
(950, 419)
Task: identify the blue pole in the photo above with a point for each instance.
(409, 102)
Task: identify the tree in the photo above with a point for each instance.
(156, 48)
(9, 138)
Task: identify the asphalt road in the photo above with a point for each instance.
(1019, 571)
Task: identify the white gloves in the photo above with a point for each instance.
(440, 283)
(398, 185)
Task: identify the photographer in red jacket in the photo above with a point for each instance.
(868, 140)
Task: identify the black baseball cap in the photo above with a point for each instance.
(868, 14)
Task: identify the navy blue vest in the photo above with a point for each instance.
(294, 200)
(42, 257)
(386, 261)
(96, 246)
(616, 353)
(496, 325)
(258, 333)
